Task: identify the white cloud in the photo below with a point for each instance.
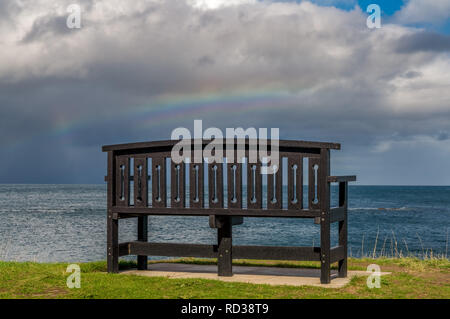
(334, 2)
(424, 11)
(216, 4)
(413, 143)
(424, 93)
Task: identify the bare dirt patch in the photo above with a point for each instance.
(51, 293)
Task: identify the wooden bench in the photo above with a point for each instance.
(139, 186)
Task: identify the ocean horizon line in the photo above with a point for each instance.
(353, 185)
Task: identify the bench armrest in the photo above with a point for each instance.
(338, 179)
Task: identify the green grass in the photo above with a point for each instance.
(410, 278)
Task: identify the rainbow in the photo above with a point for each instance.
(166, 109)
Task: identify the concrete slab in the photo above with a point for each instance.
(247, 274)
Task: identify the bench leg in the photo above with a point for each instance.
(343, 230)
(112, 244)
(224, 238)
(142, 231)
(343, 242)
(325, 275)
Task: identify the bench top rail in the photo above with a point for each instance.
(283, 144)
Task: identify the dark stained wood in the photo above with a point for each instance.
(124, 249)
(140, 179)
(295, 182)
(254, 185)
(218, 221)
(224, 242)
(171, 143)
(112, 225)
(313, 188)
(234, 179)
(338, 179)
(343, 203)
(274, 194)
(212, 251)
(337, 254)
(111, 182)
(118, 202)
(122, 181)
(215, 185)
(305, 213)
(196, 185)
(159, 182)
(337, 214)
(173, 250)
(177, 185)
(324, 197)
(143, 237)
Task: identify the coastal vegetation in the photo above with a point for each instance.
(409, 278)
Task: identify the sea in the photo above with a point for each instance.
(67, 223)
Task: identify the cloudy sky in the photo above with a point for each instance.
(136, 70)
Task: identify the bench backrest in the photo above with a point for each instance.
(143, 176)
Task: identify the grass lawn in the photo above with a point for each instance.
(411, 278)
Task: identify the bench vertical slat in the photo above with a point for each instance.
(140, 182)
(196, 185)
(234, 180)
(295, 177)
(177, 184)
(324, 201)
(313, 185)
(254, 186)
(122, 181)
(159, 182)
(275, 193)
(215, 185)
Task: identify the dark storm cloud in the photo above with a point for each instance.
(7, 9)
(47, 25)
(442, 136)
(205, 61)
(423, 41)
(412, 75)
